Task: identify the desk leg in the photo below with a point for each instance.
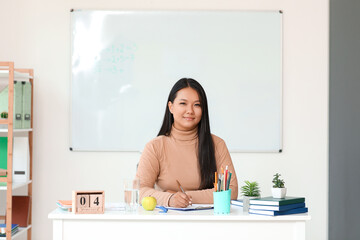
(299, 231)
(58, 229)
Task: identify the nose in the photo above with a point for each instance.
(190, 109)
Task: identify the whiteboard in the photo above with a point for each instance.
(124, 63)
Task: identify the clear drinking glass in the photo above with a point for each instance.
(131, 194)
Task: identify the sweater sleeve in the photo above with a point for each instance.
(223, 159)
(148, 172)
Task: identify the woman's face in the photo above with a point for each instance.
(186, 109)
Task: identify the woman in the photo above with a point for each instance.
(184, 151)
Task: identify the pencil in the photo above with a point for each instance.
(228, 183)
(180, 187)
(215, 182)
(225, 178)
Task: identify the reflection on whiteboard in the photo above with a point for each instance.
(124, 64)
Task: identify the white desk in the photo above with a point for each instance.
(176, 225)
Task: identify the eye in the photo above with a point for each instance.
(182, 103)
(197, 105)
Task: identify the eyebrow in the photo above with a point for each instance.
(183, 99)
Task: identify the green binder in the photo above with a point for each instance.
(18, 88)
(26, 105)
(3, 152)
(4, 100)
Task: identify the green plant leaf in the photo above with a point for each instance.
(278, 183)
(250, 189)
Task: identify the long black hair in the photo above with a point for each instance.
(206, 153)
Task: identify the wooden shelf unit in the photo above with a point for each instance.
(7, 70)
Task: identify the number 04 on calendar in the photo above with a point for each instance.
(88, 202)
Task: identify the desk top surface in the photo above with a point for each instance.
(236, 214)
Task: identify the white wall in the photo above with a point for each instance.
(36, 34)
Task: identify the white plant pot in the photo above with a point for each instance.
(278, 192)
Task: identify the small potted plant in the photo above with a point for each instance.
(278, 190)
(249, 191)
(4, 115)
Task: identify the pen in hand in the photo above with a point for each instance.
(182, 190)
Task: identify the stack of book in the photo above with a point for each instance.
(64, 205)
(14, 229)
(275, 206)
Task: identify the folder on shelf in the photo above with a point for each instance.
(4, 100)
(3, 153)
(22, 104)
(26, 105)
(18, 89)
(21, 159)
(21, 210)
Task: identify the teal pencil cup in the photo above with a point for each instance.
(222, 202)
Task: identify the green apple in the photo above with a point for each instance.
(148, 203)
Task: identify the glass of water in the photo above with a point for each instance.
(131, 194)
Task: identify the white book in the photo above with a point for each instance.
(238, 202)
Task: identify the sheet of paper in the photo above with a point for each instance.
(193, 207)
(111, 206)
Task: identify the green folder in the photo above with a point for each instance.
(26, 105)
(4, 100)
(3, 152)
(18, 88)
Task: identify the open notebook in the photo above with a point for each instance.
(193, 207)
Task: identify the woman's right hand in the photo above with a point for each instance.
(180, 200)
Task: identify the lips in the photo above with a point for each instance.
(189, 118)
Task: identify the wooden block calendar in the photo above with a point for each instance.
(88, 202)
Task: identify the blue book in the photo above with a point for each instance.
(277, 213)
(14, 229)
(277, 201)
(278, 208)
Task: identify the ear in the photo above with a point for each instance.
(170, 106)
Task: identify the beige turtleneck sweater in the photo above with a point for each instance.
(166, 159)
